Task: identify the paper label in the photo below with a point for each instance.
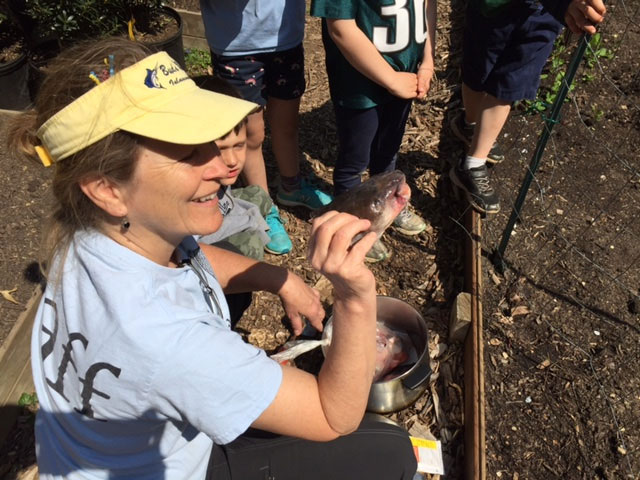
(429, 455)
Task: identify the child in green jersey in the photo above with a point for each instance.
(379, 58)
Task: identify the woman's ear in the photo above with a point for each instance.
(105, 194)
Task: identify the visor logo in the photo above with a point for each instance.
(151, 80)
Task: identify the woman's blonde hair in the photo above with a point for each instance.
(114, 157)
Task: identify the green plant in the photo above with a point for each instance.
(197, 61)
(596, 51)
(28, 400)
(597, 113)
(548, 92)
(6, 23)
(77, 19)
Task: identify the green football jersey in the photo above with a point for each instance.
(397, 28)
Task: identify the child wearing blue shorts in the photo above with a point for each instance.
(379, 58)
(506, 44)
(256, 46)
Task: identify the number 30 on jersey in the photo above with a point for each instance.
(386, 40)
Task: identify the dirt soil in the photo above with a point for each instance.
(561, 324)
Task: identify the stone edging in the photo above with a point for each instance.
(192, 30)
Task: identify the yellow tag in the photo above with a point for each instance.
(43, 155)
(130, 24)
(421, 442)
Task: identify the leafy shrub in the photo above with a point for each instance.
(78, 19)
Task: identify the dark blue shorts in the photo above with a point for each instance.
(504, 55)
(259, 76)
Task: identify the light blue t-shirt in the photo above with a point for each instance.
(136, 368)
(245, 27)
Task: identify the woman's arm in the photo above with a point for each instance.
(362, 54)
(333, 404)
(237, 273)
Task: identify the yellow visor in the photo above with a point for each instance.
(154, 98)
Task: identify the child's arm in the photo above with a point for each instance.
(364, 57)
(581, 16)
(425, 72)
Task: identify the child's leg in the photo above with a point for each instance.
(502, 61)
(254, 171)
(356, 130)
(280, 242)
(283, 119)
(392, 118)
(247, 243)
(255, 195)
(285, 84)
(471, 100)
(491, 116)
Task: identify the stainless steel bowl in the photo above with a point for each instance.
(401, 391)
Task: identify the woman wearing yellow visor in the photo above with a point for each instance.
(137, 369)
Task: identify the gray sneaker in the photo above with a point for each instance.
(409, 223)
(378, 253)
(464, 132)
(475, 183)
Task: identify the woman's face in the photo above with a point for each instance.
(173, 191)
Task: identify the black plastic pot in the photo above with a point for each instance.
(33, 33)
(173, 46)
(13, 84)
(38, 60)
(48, 49)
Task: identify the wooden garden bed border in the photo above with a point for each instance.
(474, 418)
(15, 366)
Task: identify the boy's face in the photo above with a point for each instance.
(233, 149)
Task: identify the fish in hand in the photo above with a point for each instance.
(379, 200)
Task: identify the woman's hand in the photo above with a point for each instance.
(332, 253)
(299, 299)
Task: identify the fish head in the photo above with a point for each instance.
(380, 199)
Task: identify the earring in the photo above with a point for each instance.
(124, 224)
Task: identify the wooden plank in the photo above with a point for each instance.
(474, 434)
(477, 312)
(15, 366)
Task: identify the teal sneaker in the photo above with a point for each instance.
(308, 196)
(280, 242)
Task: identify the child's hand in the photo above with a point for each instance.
(581, 15)
(403, 85)
(424, 81)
